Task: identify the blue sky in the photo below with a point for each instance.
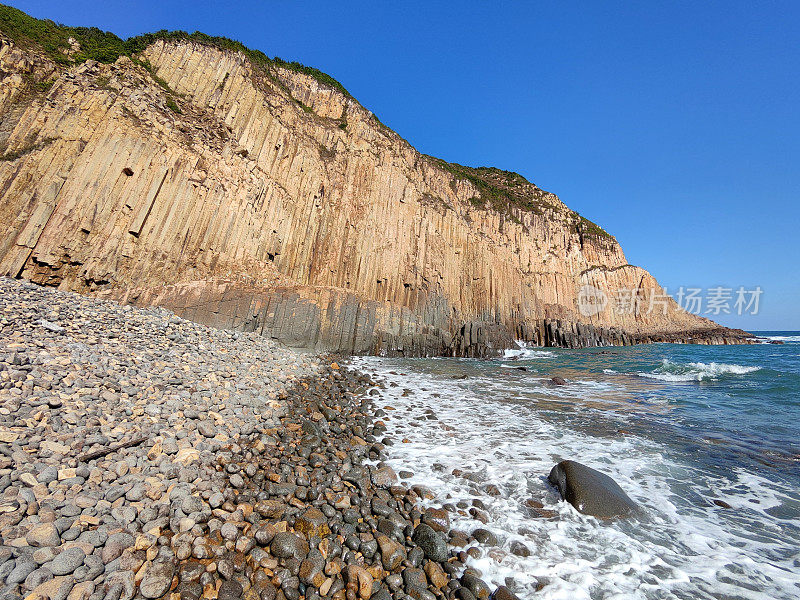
(675, 126)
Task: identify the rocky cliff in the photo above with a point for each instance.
(260, 196)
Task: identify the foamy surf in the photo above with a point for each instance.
(523, 352)
(685, 548)
(781, 338)
(695, 371)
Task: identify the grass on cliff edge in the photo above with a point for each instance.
(106, 47)
(505, 191)
(502, 191)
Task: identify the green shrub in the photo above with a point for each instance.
(53, 38)
(104, 46)
(172, 106)
(586, 227)
(502, 191)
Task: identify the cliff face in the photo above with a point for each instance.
(259, 198)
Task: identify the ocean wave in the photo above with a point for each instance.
(522, 352)
(781, 338)
(684, 548)
(695, 371)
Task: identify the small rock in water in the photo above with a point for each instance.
(484, 536)
(503, 593)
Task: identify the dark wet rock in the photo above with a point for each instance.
(484, 536)
(415, 556)
(419, 593)
(392, 553)
(384, 477)
(381, 594)
(479, 515)
(463, 593)
(310, 572)
(414, 578)
(270, 509)
(519, 549)
(503, 593)
(389, 528)
(189, 590)
(394, 581)
(431, 543)
(359, 580)
(313, 523)
(265, 534)
(437, 518)
(368, 548)
(286, 545)
(230, 590)
(591, 492)
(476, 586)
(558, 381)
(492, 490)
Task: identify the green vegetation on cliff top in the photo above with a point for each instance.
(106, 47)
(502, 191)
(505, 191)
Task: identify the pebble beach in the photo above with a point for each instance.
(145, 456)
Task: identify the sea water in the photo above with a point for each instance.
(705, 438)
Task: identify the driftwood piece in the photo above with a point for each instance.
(109, 449)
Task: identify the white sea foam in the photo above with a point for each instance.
(684, 548)
(782, 338)
(523, 352)
(695, 371)
(609, 371)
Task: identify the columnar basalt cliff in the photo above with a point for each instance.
(260, 197)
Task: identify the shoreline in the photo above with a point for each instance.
(147, 456)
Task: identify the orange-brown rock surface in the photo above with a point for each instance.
(261, 199)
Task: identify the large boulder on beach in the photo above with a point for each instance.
(591, 492)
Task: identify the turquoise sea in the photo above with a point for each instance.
(705, 438)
